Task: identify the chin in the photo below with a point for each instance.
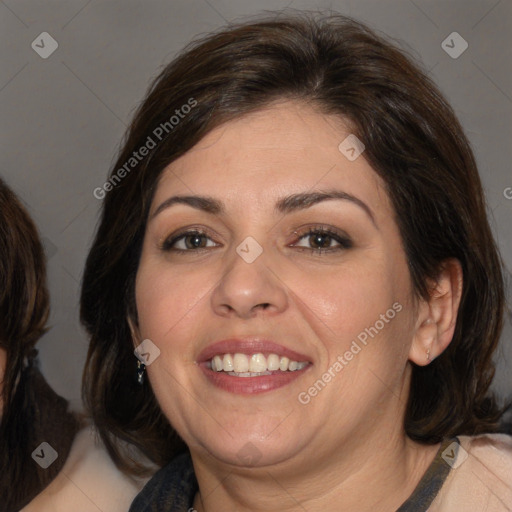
(250, 448)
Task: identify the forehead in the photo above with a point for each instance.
(288, 147)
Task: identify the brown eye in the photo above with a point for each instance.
(194, 241)
(188, 241)
(320, 240)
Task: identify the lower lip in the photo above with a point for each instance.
(251, 385)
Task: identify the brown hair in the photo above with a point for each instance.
(413, 141)
(32, 412)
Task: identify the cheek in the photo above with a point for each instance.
(167, 300)
(346, 301)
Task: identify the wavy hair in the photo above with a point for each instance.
(32, 411)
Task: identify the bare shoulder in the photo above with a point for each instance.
(88, 481)
(480, 477)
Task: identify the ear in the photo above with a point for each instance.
(437, 315)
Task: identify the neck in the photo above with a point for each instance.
(377, 469)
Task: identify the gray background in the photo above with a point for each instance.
(63, 117)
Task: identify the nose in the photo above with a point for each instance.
(247, 289)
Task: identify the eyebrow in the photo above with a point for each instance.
(204, 203)
(284, 205)
(306, 200)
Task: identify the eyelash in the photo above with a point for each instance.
(343, 240)
(167, 245)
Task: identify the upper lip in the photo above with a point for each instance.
(252, 345)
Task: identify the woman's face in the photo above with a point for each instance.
(284, 251)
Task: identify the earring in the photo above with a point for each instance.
(141, 370)
(428, 354)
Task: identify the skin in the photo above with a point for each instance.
(323, 455)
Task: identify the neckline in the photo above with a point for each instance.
(432, 480)
(181, 488)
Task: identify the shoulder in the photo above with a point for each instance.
(88, 481)
(493, 448)
(171, 489)
(480, 477)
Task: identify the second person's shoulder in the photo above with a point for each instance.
(89, 480)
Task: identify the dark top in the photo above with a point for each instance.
(173, 488)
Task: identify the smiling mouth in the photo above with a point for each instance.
(253, 365)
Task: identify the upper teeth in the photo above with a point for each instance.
(255, 363)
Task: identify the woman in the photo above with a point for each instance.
(46, 462)
(294, 295)
(26, 397)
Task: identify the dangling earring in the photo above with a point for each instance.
(141, 370)
(428, 354)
